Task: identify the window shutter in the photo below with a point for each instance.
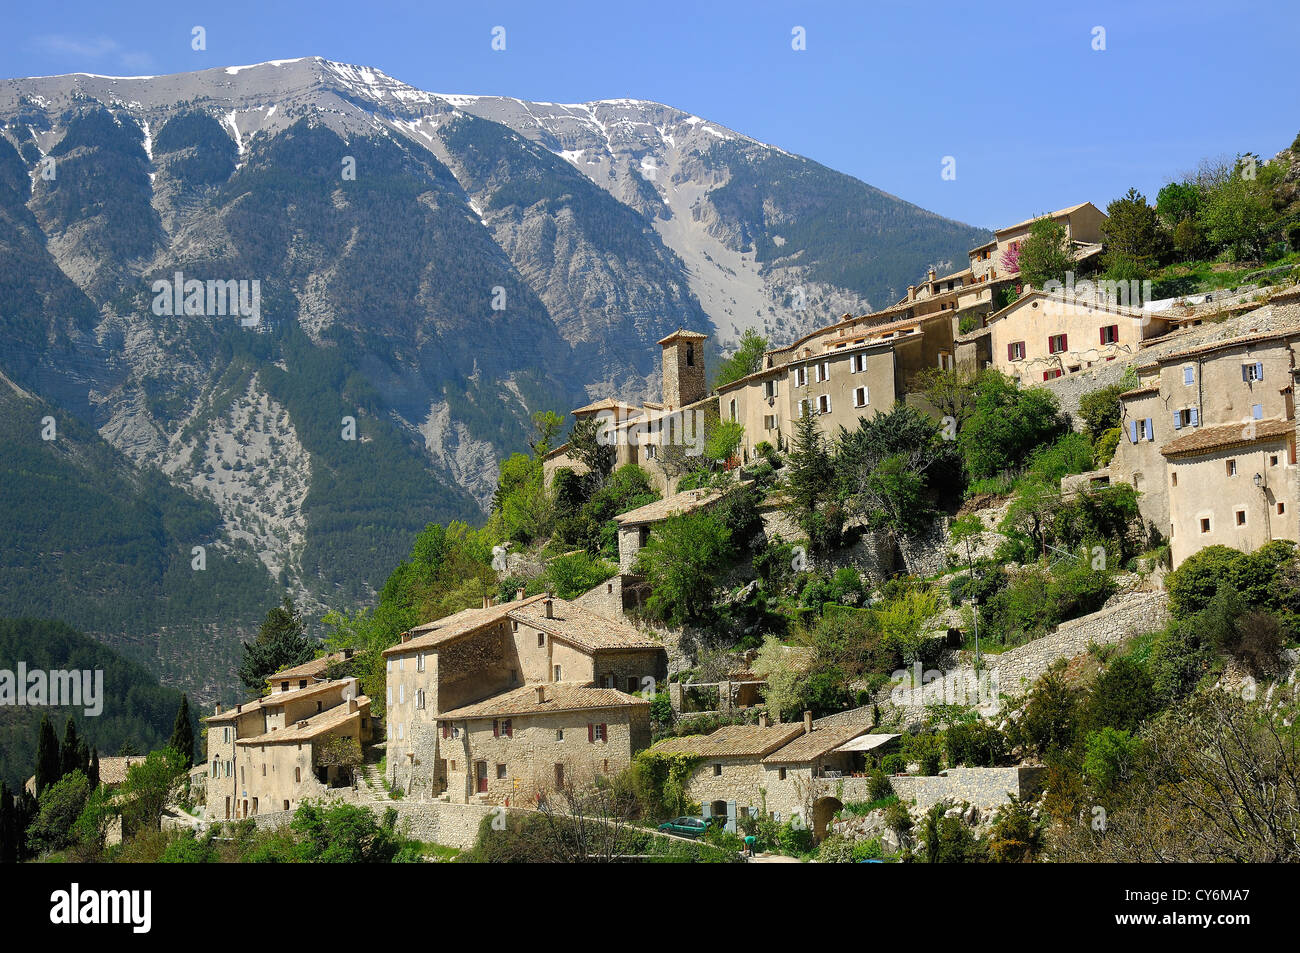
(1011, 352)
(1245, 373)
(446, 731)
(510, 728)
(1103, 335)
(1065, 342)
(1259, 370)
(1178, 420)
(1133, 431)
(496, 728)
(1257, 411)
(604, 732)
(1149, 427)
(1195, 420)
(591, 732)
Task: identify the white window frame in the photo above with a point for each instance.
(863, 394)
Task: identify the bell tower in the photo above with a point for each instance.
(683, 367)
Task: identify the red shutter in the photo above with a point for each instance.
(1011, 352)
(1103, 335)
(496, 728)
(591, 732)
(1065, 342)
(604, 732)
(510, 727)
(445, 730)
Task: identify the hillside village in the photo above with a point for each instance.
(942, 581)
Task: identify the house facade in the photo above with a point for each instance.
(533, 658)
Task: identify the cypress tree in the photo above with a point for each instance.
(8, 827)
(48, 761)
(183, 732)
(92, 772)
(68, 750)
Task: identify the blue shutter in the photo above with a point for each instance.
(1195, 420)
(1257, 411)
(1245, 372)
(706, 809)
(1133, 431)
(731, 816)
(1178, 421)
(1259, 370)
(1150, 428)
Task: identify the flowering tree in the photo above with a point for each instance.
(1010, 260)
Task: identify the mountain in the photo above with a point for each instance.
(420, 273)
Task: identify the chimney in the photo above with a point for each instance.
(217, 709)
(303, 723)
(487, 601)
(807, 723)
(550, 606)
(762, 719)
(239, 708)
(352, 705)
(519, 594)
(541, 694)
(911, 292)
(406, 637)
(931, 273)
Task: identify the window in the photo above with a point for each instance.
(769, 422)
(1241, 517)
(1132, 431)
(769, 389)
(559, 734)
(284, 686)
(401, 731)
(596, 732)
(945, 361)
(1016, 351)
(780, 773)
(1205, 524)
(1056, 343)
(801, 377)
(1281, 509)
(1189, 375)
(1052, 374)
(1232, 468)
(1173, 479)
(264, 769)
(401, 695)
(823, 371)
(541, 640)
(502, 726)
(1149, 429)
(225, 732)
(690, 355)
(1110, 334)
(717, 770)
(297, 775)
(824, 404)
(857, 363)
(1252, 372)
(1272, 460)
(286, 805)
(419, 698)
(731, 406)
(501, 772)
(633, 685)
(1186, 418)
(559, 673)
(419, 662)
(859, 397)
(389, 693)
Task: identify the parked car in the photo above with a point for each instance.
(685, 826)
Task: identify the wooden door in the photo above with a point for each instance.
(480, 771)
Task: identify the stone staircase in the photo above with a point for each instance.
(370, 779)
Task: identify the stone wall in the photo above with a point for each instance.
(1133, 615)
(435, 822)
(985, 788)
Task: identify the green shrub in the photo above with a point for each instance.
(975, 745)
(867, 850)
(835, 850)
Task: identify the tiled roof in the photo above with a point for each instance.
(454, 626)
(558, 696)
(683, 502)
(1140, 391)
(1029, 221)
(1242, 340)
(310, 728)
(1206, 439)
(273, 701)
(732, 741)
(313, 669)
(685, 335)
(581, 627)
(812, 745)
(606, 403)
(113, 770)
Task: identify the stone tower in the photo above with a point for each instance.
(683, 358)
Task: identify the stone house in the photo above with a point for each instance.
(1208, 439)
(634, 526)
(272, 753)
(1042, 336)
(515, 747)
(491, 652)
(781, 769)
(309, 673)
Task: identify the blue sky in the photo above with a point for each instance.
(1035, 118)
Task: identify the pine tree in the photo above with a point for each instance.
(183, 733)
(48, 762)
(809, 485)
(281, 641)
